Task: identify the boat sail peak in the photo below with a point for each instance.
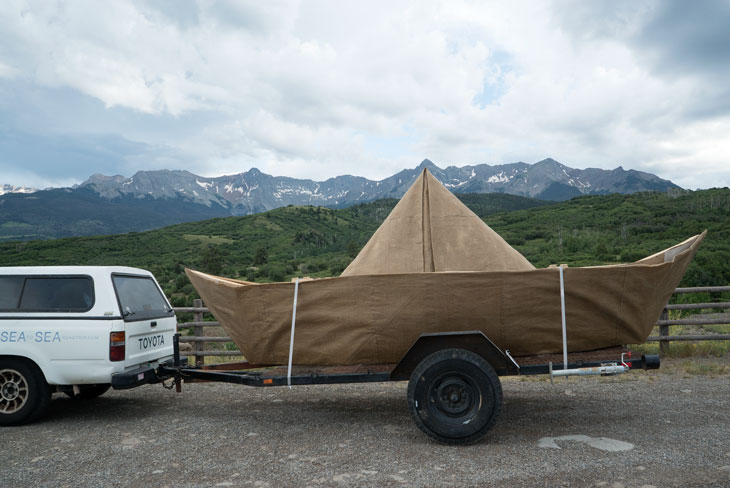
(431, 230)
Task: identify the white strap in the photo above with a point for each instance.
(562, 311)
(291, 340)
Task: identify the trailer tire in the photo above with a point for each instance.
(454, 396)
(24, 394)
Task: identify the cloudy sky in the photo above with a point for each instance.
(315, 89)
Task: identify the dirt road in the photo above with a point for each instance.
(666, 428)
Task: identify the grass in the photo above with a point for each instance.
(223, 359)
(693, 366)
(207, 239)
(696, 368)
(677, 349)
(208, 360)
(717, 329)
(688, 349)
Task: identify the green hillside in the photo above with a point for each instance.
(64, 212)
(623, 228)
(316, 241)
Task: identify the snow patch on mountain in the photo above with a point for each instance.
(499, 178)
(5, 189)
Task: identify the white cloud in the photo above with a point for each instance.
(320, 88)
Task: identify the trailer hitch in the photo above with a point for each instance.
(177, 377)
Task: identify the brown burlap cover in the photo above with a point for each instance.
(431, 230)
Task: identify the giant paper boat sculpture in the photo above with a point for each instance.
(435, 266)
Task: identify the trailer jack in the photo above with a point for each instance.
(604, 369)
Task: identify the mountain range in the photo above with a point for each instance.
(254, 191)
(149, 199)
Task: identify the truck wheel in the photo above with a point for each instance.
(24, 393)
(454, 396)
(89, 392)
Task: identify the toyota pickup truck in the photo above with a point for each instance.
(78, 330)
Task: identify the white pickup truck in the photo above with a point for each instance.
(78, 330)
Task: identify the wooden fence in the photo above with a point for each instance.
(698, 320)
(199, 339)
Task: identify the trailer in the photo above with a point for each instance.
(454, 391)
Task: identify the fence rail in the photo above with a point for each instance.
(199, 339)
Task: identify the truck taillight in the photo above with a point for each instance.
(116, 346)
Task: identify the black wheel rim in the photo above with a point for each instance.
(454, 396)
(454, 399)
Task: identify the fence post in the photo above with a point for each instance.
(663, 332)
(198, 331)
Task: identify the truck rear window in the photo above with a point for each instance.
(140, 298)
(10, 288)
(46, 293)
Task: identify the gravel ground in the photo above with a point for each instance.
(362, 435)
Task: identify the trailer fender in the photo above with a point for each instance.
(472, 340)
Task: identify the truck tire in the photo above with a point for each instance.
(454, 396)
(24, 393)
(89, 392)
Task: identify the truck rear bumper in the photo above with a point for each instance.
(138, 376)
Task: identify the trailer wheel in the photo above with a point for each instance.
(454, 396)
(24, 393)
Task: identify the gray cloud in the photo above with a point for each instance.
(689, 38)
(595, 20)
(76, 156)
(677, 41)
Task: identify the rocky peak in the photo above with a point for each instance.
(549, 162)
(427, 163)
(103, 180)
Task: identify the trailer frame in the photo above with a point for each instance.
(453, 375)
